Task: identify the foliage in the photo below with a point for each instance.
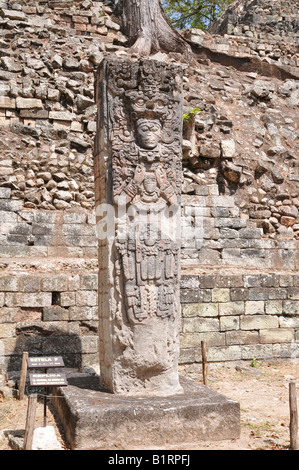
(190, 114)
(254, 362)
(193, 13)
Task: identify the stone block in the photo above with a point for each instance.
(200, 310)
(28, 103)
(189, 282)
(44, 217)
(5, 193)
(55, 313)
(15, 15)
(228, 233)
(14, 239)
(270, 280)
(231, 308)
(259, 351)
(207, 281)
(74, 282)
(86, 298)
(231, 253)
(191, 296)
(30, 283)
(8, 217)
(7, 331)
(89, 344)
(254, 307)
(42, 229)
(273, 307)
(83, 313)
(220, 295)
(233, 281)
(199, 413)
(289, 322)
(188, 356)
(279, 335)
(200, 325)
(8, 315)
(293, 293)
(55, 283)
(258, 322)
(228, 148)
(195, 201)
(229, 323)
(252, 280)
(290, 307)
(62, 116)
(89, 281)
(226, 353)
(253, 253)
(193, 340)
(20, 229)
(12, 205)
(9, 283)
(278, 293)
(238, 294)
(34, 113)
(250, 233)
(228, 222)
(286, 280)
(67, 299)
(21, 299)
(220, 212)
(257, 293)
(239, 337)
(74, 218)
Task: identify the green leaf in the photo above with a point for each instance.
(193, 13)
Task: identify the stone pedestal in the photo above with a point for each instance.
(96, 420)
(138, 177)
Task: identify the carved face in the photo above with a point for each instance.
(148, 133)
(150, 183)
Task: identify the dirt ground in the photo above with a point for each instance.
(261, 388)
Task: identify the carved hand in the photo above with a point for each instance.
(161, 176)
(139, 174)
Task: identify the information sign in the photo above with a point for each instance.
(48, 380)
(45, 362)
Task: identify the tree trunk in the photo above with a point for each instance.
(148, 30)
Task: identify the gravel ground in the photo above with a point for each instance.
(262, 389)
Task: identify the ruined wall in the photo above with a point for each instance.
(240, 316)
(240, 193)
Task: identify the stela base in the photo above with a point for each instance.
(96, 420)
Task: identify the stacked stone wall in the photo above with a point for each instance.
(215, 233)
(240, 316)
(49, 314)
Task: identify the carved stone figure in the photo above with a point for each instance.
(138, 149)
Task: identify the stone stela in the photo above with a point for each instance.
(138, 178)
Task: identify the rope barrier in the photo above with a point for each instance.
(42, 395)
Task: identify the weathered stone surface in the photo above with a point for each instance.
(96, 420)
(45, 439)
(7, 103)
(28, 103)
(140, 309)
